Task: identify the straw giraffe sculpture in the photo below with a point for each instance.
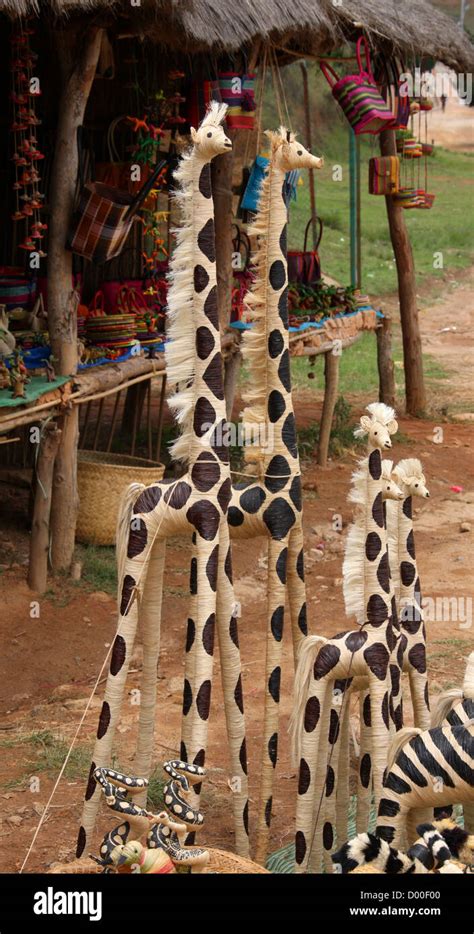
(367, 652)
(196, 504)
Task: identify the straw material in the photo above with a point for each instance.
(221, 861)
(102, 478)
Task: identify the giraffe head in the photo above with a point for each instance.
(289, 154)
(209, 139)
(390, 490)
(379, 426)
(409, 474)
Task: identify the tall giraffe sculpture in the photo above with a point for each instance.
(366, 652)
(195, 505)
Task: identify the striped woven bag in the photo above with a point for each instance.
(359, 96)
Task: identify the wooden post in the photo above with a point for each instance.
(412, 353)
(78, 51)
(221, 173)
(39, 543)
(331, 383)
(387, 391)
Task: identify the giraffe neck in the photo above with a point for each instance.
(266, 346)
(408, 581)
(378, 590)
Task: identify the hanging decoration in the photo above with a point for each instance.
(359, 96)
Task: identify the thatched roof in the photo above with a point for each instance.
(411, 26)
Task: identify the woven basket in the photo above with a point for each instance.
(221, 861)
(101, 480)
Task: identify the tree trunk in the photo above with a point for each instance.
(39, 543)
(387, 392)
(221, 173)
(412, 353)
(331, 383)
(78, 58)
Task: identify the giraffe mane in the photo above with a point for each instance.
(408, 468)
(215, 114)
(380, 413)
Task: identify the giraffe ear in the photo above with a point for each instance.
(392, 427)
(193, 134)
(365, 422)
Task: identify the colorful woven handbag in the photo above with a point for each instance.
(238, 92)
(304, 266)
(384, 175)
(359, 97)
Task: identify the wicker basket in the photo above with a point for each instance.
(101, 480)
(221, 861)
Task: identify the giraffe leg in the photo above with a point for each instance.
(419, 696)
(342, 784)
(380, 730)
(189, 661)
(315, 861)
(315, 724)
(297, 589)
(276, 592)
(150, 621)
(231, 671)
(364, 778)
(332, 781)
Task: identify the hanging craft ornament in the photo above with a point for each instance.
(359, 96)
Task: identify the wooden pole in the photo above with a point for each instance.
(387, 391)
(39, 543)
(331, 383)
(412, 352)
(78, 52)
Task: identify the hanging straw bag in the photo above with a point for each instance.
(304, 266)
(359, 97)
(384, 175)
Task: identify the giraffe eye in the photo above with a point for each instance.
(300, 152)
(417, 484)
(375, 432)
(209, 135)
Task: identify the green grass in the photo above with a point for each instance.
(99, 570)
(48, 754)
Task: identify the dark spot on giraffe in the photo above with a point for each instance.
(208, 634)
(373, 544)
(395, 678)
(206, 240)
(278, 472)
(304, 778)
(401, 651)
(295, 493)
(377, 658)
(204, 416)
(311, 714)
(147, 500)
(193, 538)
(279, 518)
(273, 748)
(383, 573)
(283, 307)
(328, 836)
(288, 435)
(238, 697)
(407, 507)
(203, 700)
(366, 711)
(302, 620)
(283, 240)
(300, 565)
(219, 441)
(333, 727)
(205, 472)
(276, 405)
(330, 781)
(284, 370)
(252, 499)
(300, 847)
(201, 278)
(211, 568)
(274, 684)
(91, 783)
(377, 610)
(193, 577)
(225, 494)
(212, 376)
(417, 657)
(177, 496)
(137, 538)
(281, 565)
(183, 755)
(205, 518)
(375, 465)
(427, 696)
(190, 634)
(187, 697)
(411, 618)
(234, 631)
(234, 516)
(81, 842)
(398, 716)
(327, 658)
(210, 307)
(243, 756)
(276, 623)
(377, 511)
(277, 275)
(411, 544)
(104, 720)
(205, 186)
(385, 711)
(364, 770)
(228, 565)
(268, 811)
(127, 590)
(205, 342)
(275, 343)
(245, 817)
(390, 636)
(119, 652)
(407, 573)
(355, 640)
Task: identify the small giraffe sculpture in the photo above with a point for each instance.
(366, 652)
(195, 505)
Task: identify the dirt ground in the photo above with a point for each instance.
(49, 664)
